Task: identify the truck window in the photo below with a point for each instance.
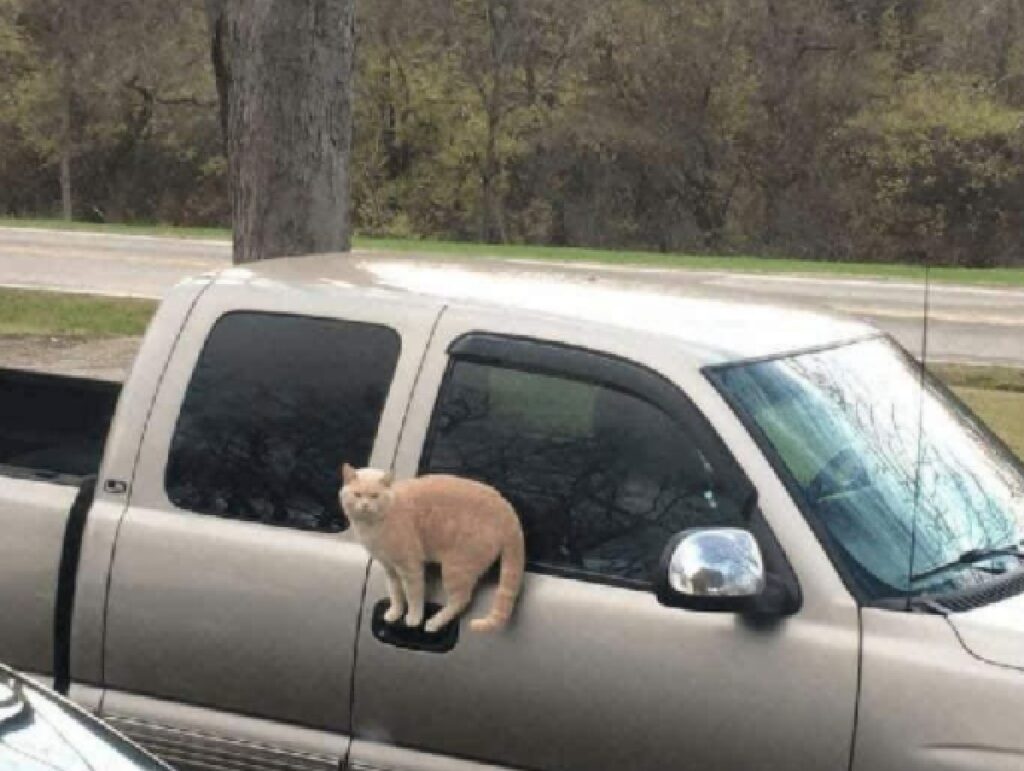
(600, 477)
(53, 427)
(275, 404)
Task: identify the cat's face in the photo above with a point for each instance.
(366, 494)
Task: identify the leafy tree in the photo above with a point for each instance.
(838, 129)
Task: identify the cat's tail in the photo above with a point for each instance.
(513, 563)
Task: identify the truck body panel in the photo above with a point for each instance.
(36, 512)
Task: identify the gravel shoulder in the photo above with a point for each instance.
(104, 358)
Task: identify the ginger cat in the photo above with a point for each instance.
(463, 525)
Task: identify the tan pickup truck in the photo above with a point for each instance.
(754, 540)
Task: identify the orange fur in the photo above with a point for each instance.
(461, 524)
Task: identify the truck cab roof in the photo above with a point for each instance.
(710, 331)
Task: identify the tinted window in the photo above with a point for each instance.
(275, 404)
(601, 478)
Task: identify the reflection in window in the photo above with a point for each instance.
(601, 479)
(275, 404)
(845, 424)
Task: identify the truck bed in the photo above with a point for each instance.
(53, 426)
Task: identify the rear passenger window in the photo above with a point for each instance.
(274, 405)
(601, 478)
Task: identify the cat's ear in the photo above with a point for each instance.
(388, 478)
(347, 473)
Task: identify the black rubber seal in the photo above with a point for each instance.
(67, 581)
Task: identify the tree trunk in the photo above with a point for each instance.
(284, 76)
(65, 182)
(65, 138)
(492, 215)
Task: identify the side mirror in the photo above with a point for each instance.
(712, 569)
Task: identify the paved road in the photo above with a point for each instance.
(970, 324)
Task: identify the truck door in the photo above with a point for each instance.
(235, 588)
(604, 460)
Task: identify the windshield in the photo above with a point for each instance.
(843, 425)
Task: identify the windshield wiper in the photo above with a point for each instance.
(972, 556)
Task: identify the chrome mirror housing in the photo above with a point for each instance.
(714, 569)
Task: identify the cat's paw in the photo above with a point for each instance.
(393, 614)
(413, 619)
(433, 625)
(483, 625)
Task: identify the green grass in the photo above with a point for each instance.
(1002, 411)
(996, 394)
(133, 229)
(739, 263)
(27, 312)
(987, 378)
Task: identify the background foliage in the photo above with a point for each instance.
(888, 130)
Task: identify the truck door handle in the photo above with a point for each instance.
(402, 636)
